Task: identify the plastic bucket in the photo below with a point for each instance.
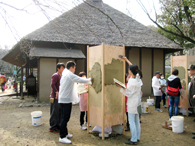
(144, 107)
(150, 102)
(36, 118)
(177, 124)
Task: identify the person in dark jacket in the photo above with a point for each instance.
(175, 85)
(55, 113)
(191, 94)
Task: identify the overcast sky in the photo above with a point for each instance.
(24, 23)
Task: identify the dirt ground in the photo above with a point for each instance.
(16, 128)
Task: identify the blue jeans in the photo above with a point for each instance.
(173, 100)
(134, 126)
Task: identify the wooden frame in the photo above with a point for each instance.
(182, 63)
(105, 108)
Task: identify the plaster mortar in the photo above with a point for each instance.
(113, 70)
(113, 101)
(95, 98)
(181, 75)
(96, 74)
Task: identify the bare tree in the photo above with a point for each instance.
(4, 66)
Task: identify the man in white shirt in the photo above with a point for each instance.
(67, 96)
(157, 91)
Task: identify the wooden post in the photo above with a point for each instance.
(21, 85)
(186, 77)
(38, 78)
(103, 107)
(123, 94)
(88, 118)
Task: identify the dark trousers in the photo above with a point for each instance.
(55, 115)
(127, 124)
(158, 100)
(82, 114)
(164, 99)
(2, 87)
(65, 117)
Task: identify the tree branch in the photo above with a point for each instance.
(189, 17)
(155, 22)
(14, 7)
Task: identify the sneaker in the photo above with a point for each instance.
(158, 110)
(83, 127)
(165, 106)
(69, 135)
(64, 140)
(86, 124)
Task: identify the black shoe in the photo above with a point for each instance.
(193, 137)
(131, 143)
(127, 128)
(193, 133)
(54, 130)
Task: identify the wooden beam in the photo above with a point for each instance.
(164, 62)
(123, 96)
(152, 68)
(140, 58)
(186, 78)
(21, 84)
(103, 95)
(88, 110)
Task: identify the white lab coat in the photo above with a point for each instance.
(156, 86)
(133, 92)
(68, 87)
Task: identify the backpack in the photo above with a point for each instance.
(172, 91)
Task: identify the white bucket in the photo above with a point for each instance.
(177, 124)
(36, 118)
(144, 107)
(150, 102)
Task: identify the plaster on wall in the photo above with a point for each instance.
(113, 102)
(95, 99)
(181, 75)
(96, 74)
(113, 70)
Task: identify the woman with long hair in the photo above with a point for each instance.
(132, 92)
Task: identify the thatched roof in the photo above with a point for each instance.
(85, 24)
